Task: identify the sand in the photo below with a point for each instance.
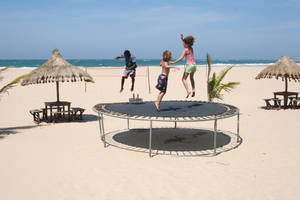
(68, 160)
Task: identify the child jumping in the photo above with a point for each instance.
(162, 81)
(190, 67)
(130, 62)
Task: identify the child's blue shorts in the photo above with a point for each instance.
(162, 83)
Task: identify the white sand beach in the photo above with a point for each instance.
(53, 161)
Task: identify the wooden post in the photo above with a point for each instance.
(85, 82)
(148, 74)
(57, 91)
(286, 83)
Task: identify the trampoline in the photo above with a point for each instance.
(170, 111)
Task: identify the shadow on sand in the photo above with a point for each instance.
(89, 118)
(18, 129)
(170, 141)
(15, 130)
(85, 118)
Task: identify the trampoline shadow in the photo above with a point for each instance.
(171, 141)
(89, 118)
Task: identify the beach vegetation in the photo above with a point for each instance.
(1, 70)
(215, 87)
(11, 84)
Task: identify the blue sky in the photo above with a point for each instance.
(245, 29)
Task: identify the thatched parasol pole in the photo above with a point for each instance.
(57, 91)
(286, 83)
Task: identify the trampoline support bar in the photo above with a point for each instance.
(102, 130)
(238, 127)
(150, 139)
(128, 123)
(215, 136)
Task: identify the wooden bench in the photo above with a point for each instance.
(294, 102)
(78, 111)
(36, 115)
(277, 103)
(61, 113)
(56, 115)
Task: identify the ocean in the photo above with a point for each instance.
(18, 63)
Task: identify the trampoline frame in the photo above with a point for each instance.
(231, 112)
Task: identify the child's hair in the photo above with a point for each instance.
(167, 55)
(189, 40)
(127, 53)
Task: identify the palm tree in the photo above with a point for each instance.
(12, 83)
(215, 86)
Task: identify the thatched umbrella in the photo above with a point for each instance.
(56, 69)
(284, 68)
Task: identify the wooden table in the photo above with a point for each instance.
(59, 105)
(285, 96)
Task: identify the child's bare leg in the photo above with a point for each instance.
(159, 98)
(185, 84)
(192, 83)
(122, 84)
(132, 83)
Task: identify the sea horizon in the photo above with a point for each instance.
(34, 63)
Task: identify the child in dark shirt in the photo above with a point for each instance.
(130, 62)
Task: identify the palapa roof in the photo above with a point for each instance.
(284, 67)
(57, 69)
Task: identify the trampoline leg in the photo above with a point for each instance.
(175, 125)
(150, 139)
(100, 128)
(103, 133)
(238, 127)
(128, 124)
(215, 137)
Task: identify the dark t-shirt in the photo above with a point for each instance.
(130, 61)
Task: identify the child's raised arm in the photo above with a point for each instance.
(181, 36)
(118, 57)
(184, 52)
(171, 67)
